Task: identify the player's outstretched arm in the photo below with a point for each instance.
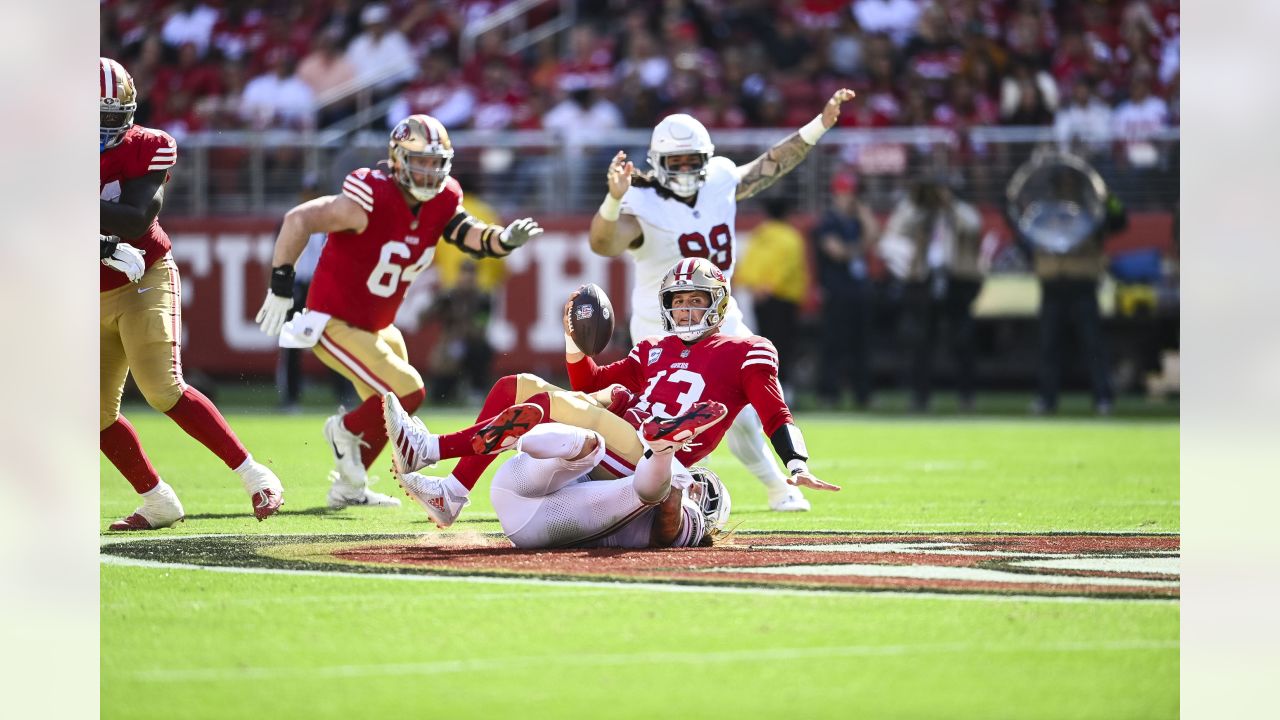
(789, 444)
(482, 240)
(331, 213)
(786, 155)
(612, 232)
(140, 201)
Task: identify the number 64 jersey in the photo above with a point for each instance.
(362, 278)
(668, 377)
(674, 231)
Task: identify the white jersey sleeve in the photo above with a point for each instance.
(673, 230)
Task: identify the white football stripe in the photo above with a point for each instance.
(761, 361)
(359, 183)
(368, 206)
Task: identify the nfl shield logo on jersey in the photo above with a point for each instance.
(654, 354)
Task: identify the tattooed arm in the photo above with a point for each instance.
(786, 155)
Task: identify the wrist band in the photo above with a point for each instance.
(570, 347)
(610, 208)
(797, 466)
(811, 132)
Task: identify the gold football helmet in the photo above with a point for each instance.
(117, 101)
(421, 156)
(694, 274)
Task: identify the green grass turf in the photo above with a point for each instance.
(198, 644)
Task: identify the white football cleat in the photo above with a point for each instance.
(343, 494)
(160, 509)
(264, 488)
(442, 498)
(790, 500)
(346, 447)
(413, 447)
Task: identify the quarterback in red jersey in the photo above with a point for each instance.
(664, 377)
(383, 229)
(141, 314)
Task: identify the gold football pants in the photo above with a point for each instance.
(589, 411)
(376, 363)
(141, 332)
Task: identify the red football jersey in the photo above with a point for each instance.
(142, 151)
(669, 376)
(361, 278)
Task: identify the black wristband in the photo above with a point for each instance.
(789, 443)
(107, 245)
(282, 281)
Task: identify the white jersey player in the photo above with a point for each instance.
(544, 498)
(688, 208)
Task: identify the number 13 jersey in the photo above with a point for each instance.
(362, 278)
(673, 231)
(668, 377)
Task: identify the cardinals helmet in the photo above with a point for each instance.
(680, 135)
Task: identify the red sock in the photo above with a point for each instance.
(119, 442)
(202, 421)
(501, 397)
(376, 436)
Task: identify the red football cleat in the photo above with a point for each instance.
(664, 433)
(505, 429)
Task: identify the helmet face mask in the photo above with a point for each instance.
(676, 136)
(710, 494)
(117, 101)
(421, 156)
(693, 274)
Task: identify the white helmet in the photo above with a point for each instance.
(680, 135)
(694, 274)
(712, 497)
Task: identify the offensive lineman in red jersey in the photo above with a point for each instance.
(141, 314)
(383, 230)
(664, 377)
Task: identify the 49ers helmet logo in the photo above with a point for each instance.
(1093, 565)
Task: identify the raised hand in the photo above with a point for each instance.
(619, 175)
(831, 111)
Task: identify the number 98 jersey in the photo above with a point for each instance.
(362, 278)
(673, 231)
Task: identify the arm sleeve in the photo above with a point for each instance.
(760, 381)
(586, 376)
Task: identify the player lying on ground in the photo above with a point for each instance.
(140, 309)
(383, 230)
(546, 495)
(691, 364)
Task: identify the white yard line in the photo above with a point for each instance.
(695, 658)
(618, 586)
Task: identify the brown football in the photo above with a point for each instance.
(591, 319)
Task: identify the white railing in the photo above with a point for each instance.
(538, 171)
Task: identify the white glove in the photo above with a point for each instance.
(273, 313)
(519, 232)
(128, 260)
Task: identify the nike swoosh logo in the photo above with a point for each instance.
(142, 290)
(336, 451)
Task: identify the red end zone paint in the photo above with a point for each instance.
(1081, 565)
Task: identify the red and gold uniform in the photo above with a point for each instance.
(140, 323)
(361, 280)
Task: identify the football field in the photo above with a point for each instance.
(971, 568)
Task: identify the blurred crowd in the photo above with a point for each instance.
(1085, 65)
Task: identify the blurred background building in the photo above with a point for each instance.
(539, 94)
